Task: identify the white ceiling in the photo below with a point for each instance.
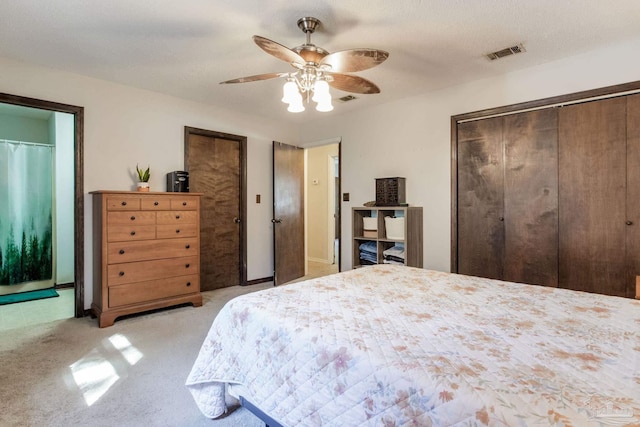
(185, 48)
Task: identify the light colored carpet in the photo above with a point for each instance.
(71, 373)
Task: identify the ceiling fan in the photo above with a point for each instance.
(316, 69)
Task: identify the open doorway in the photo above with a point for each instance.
(322, 188)
(41, 241)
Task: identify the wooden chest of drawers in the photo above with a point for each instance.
(146, 252)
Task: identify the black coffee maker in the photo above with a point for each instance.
(178, 181)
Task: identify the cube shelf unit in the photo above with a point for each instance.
(412, 232)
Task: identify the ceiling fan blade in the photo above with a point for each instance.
(353, 60)
(278, 50)
(354, 84)
(255, 78)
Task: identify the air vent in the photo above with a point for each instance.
(347, 98)
(506, 52)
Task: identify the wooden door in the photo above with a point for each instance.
(633, 197)
(216, 165)
(288, 213)
(480, 243)
(592, 192)
(531, 197)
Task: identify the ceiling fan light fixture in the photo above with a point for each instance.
(316, 69)
(296, 106)
(321, 91)
(290, 91)
(324, 106)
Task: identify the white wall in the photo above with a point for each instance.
(26, 129)
(124, 126)
(62, 132)
(412, 138)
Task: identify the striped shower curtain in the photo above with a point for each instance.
(26, 225)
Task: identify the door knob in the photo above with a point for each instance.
(276, 220)
(237, 220)
(629, 223)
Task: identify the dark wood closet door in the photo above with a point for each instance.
(531, 197)
(215, 169)
(480, 198)
(592, 188)
(633, 195)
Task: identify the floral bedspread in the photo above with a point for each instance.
(390, 345)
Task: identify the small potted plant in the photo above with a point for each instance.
(143, 178)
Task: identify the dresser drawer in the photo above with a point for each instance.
(130, 272)
(118, 233)
(123, 203)
(177, 217)
(118, 252)
(178, 230)
(184, 203)
(153, 203)
(140, 292)
(131, 217)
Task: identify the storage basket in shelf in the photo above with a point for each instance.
(370, 226)
(394, 227)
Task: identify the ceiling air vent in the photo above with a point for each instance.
(347, 98)
(519, 48)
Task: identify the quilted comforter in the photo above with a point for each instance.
(389, 345)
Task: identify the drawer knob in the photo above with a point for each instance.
(177, 216)
(121, 274)
(177, 231)
(184, 203)
(187, 265)
(188, 283)
(155, 203)
(133, 233)
(121, 252)
(133, 218)
(124, 203)
(187, 246)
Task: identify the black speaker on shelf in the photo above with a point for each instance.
(178, 181)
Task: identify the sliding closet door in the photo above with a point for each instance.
(480, 198)
(592, 188)
(531, 197)
(633, 196)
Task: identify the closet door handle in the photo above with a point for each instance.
(629, 223)
(501, 218)
(276, 220)
(237, 220)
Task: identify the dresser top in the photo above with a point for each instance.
(142, 193)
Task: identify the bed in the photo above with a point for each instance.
(388, 345)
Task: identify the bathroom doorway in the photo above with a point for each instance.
(41, 233)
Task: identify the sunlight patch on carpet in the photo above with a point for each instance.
(94, 374)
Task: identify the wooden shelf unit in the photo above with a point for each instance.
(413, 245)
